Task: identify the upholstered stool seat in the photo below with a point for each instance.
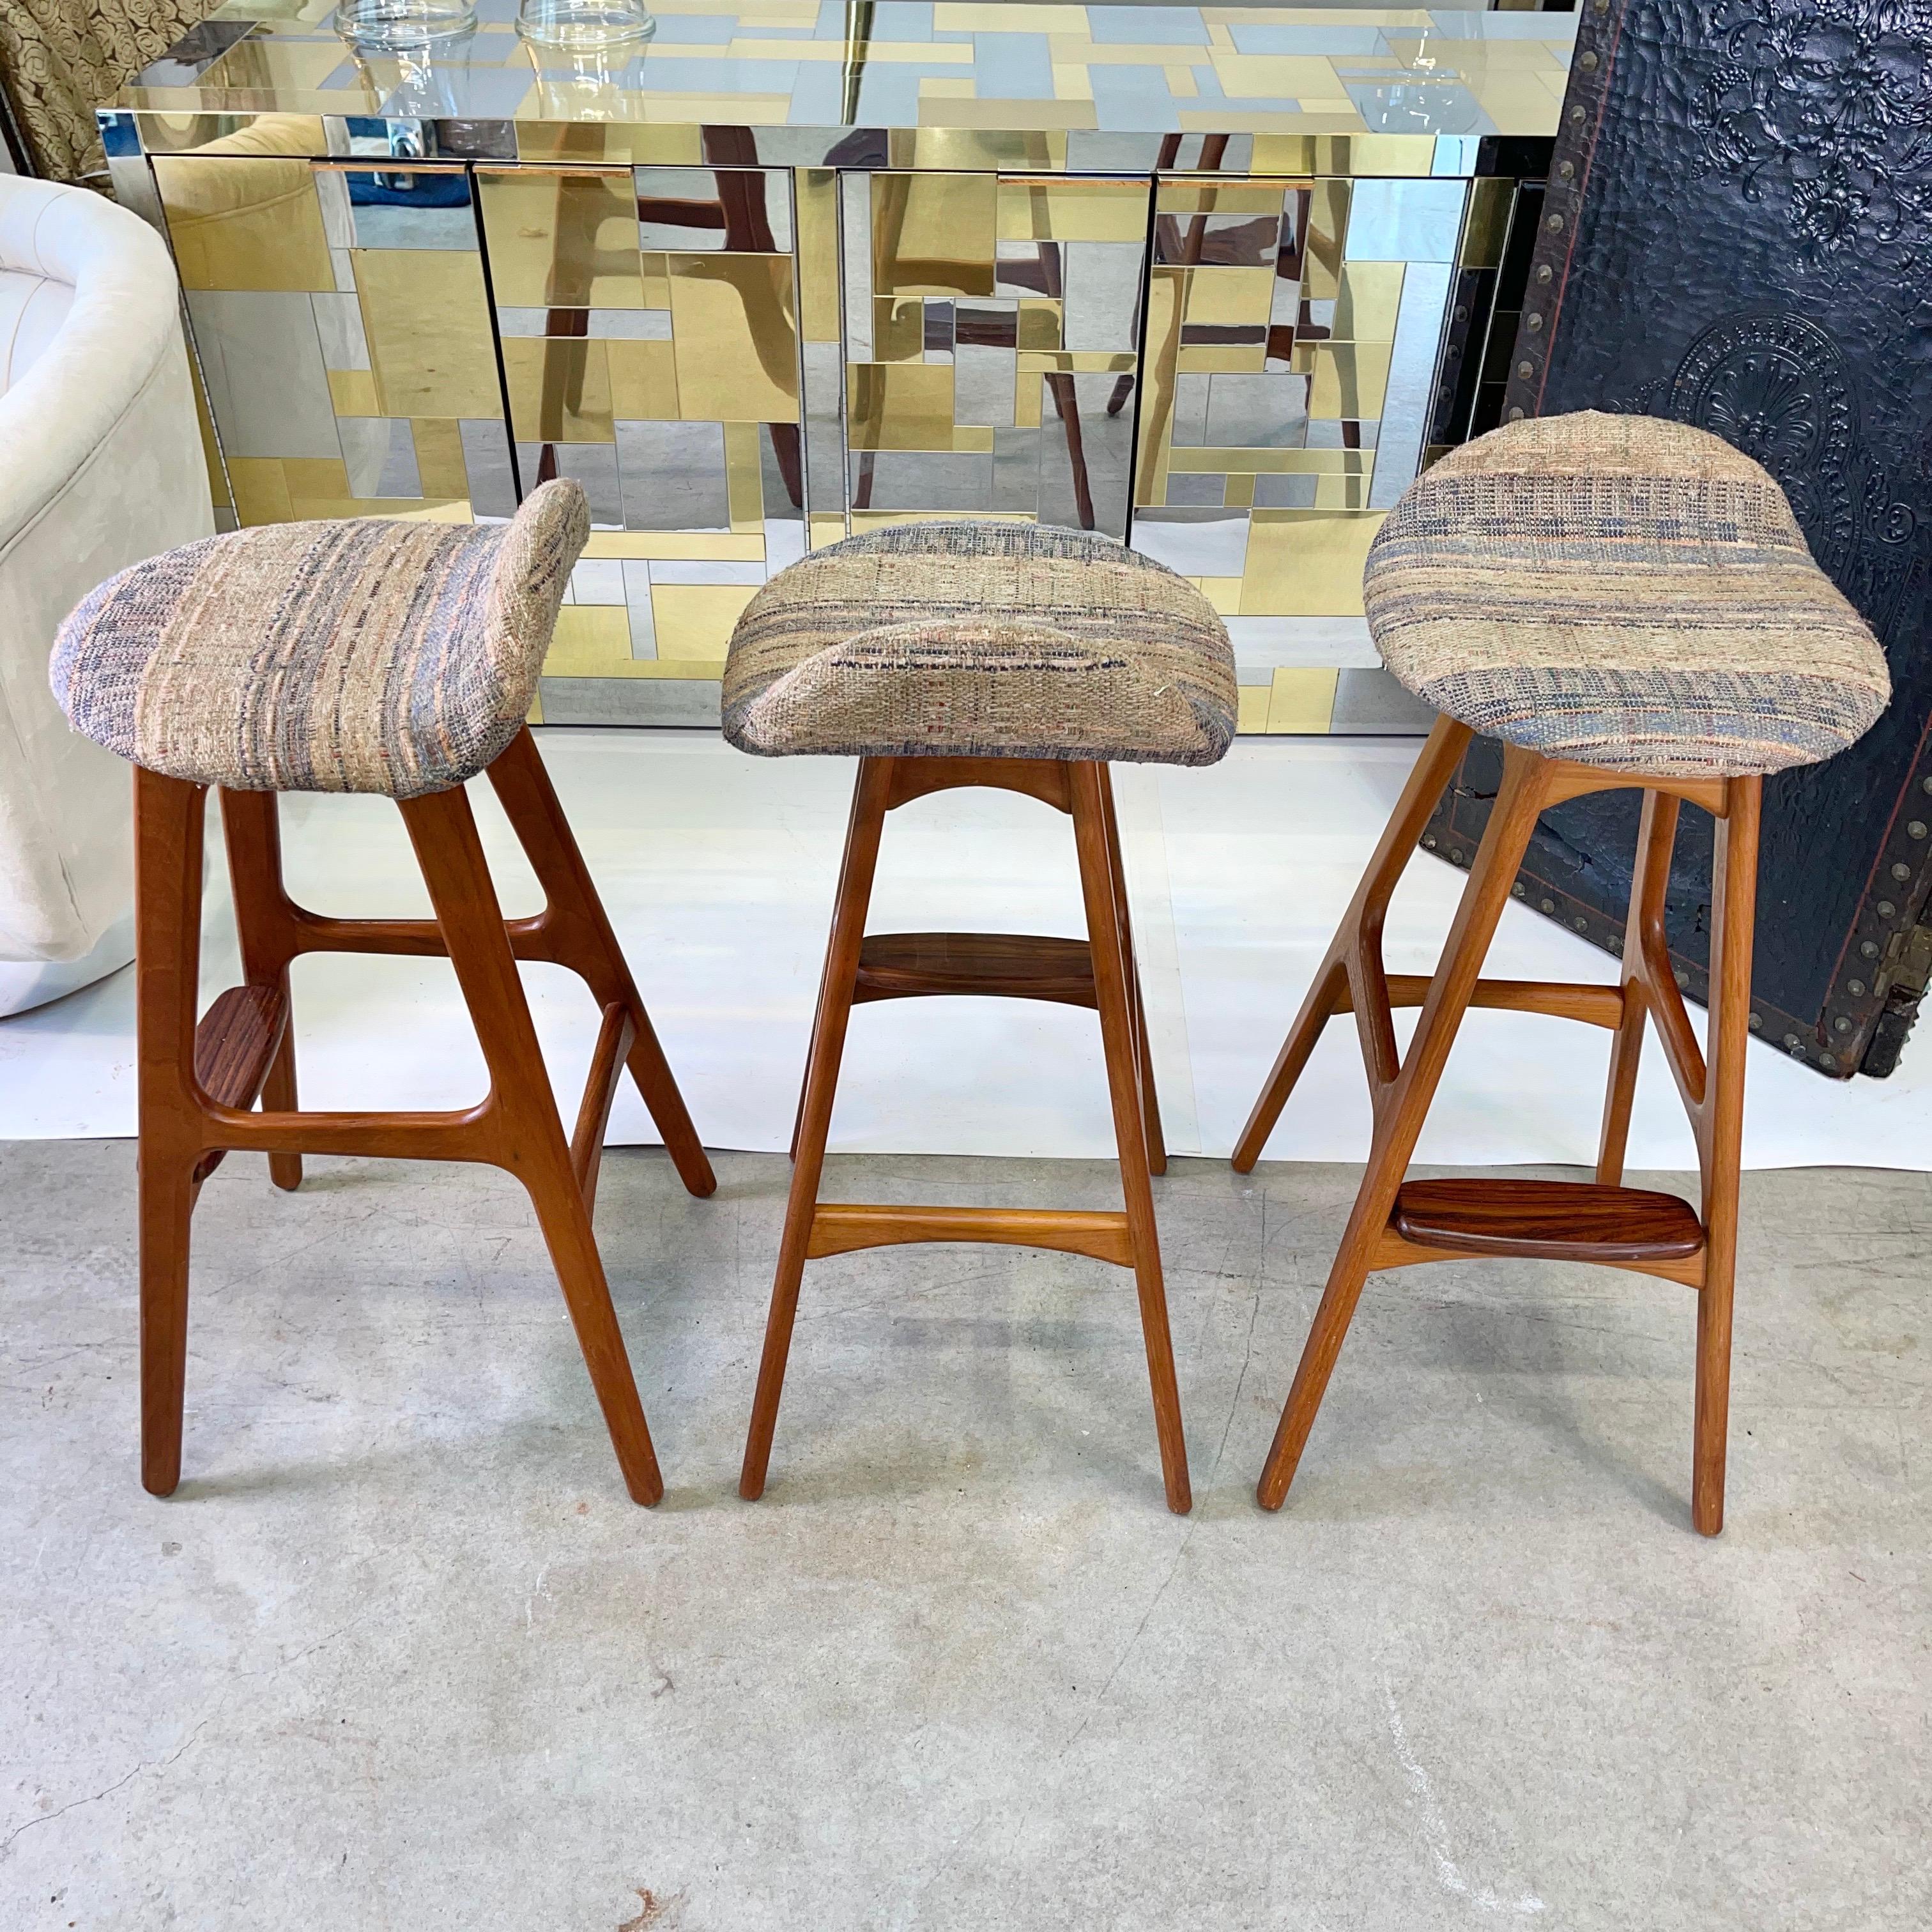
(371, 656)
(974, 638)
(1628, 592)
(386, 657)
(1023, 657)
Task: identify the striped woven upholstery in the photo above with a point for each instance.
(1628, 592)
(973, 638)
(370, 655)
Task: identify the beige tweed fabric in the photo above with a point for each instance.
(969, 638)
(1631, 592)
(370, 654)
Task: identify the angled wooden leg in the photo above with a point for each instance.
(817, 1011)
(1733, 921)
(526, 1134)
(1402, 1102)
(169, 818)
(1112, 989)
(584, 941)
(251, 829)
(1156, 1143)
(1650, 881)
(278, 1096)
(1361, 927)
(869, 797)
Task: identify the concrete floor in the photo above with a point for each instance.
(399, 1653)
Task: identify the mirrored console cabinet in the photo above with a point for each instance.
(1215, 281)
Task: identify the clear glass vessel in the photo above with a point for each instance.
(585, 24)
(387, 26)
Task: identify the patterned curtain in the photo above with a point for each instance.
(59, 58)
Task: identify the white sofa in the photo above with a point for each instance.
(100, 466)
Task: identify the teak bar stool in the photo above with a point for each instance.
(367, 656)
(1625, 602)
(973, 652)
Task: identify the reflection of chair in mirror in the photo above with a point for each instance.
(739, 210)
(1213, 149)
(736, 214)
(1044, 273)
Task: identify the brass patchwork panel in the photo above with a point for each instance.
(899, 406)
(649, 323)
(933, 234)
(350, 371)
(978, 355)
(734, 318)
(238, 223)
(427, 321)
(560, 388)
(561, 238)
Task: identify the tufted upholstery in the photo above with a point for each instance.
(369, 656)
(973, 638)
(32, 308)
(1631, 592)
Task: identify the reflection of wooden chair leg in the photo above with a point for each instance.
(200, 1083)
(1066, 398)
(791, 472)
(1066, 407)
(1396, 1222)
(1097, 973)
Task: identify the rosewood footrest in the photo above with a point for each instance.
(234, 1046)
(1548, 1220)
(1011, 965)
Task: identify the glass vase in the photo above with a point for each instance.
(387, 26)
(585, 24)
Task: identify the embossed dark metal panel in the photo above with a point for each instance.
(1738, 234)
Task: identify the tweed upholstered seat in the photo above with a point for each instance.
(1630, 593)
(369, 656)
(974, 638)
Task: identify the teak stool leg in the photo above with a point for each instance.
(528, 1135)
(1116, 991)
(168, 818)
(580, 936)
(1401, 1093)
(814, 1120)
(1719, 1120)
(1643, 931)
(1143, 1055)
(251, 829)
(1359, 934)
